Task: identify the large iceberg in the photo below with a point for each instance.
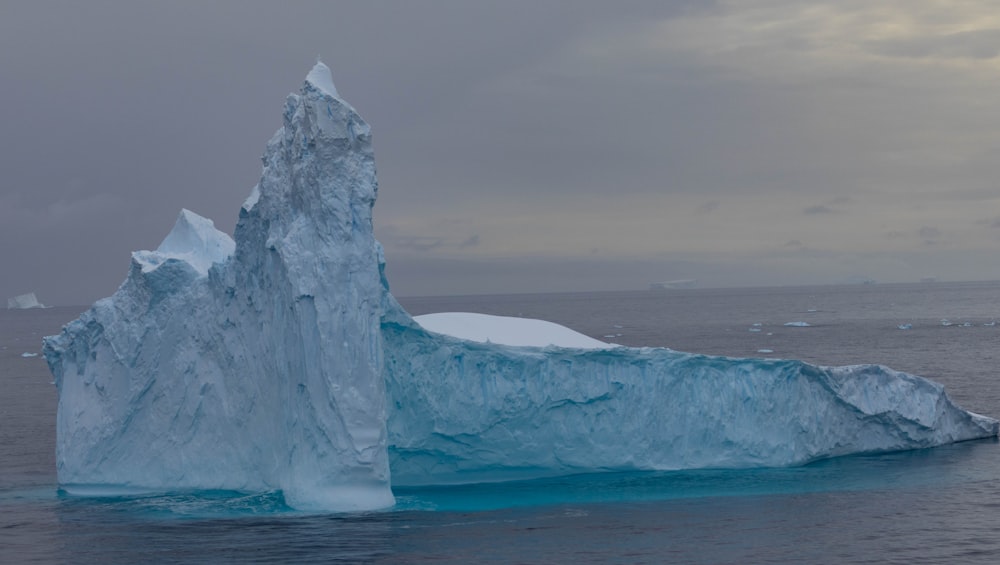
(280, 361)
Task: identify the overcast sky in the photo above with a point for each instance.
(521, 146)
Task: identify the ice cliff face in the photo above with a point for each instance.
(253, 367)
(270, 363)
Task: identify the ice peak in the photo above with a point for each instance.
(321, 78)
(193, 239)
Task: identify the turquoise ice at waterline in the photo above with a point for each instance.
(278, 361)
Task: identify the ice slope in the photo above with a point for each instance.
(250, 366)
(279, 361)
(464, 411)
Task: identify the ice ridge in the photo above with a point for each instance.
(278, 361)
(523, 412)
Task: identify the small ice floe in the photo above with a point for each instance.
(812, 310)
(618, 327)
(905, 326)
(765, 351)
(770, 333)
(754, 329)
(966, 324)
(798, 324)
(945, 322)
(27, 354)
(990, 324)
(756, 324)
(609, 336)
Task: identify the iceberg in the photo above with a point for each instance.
(278, 360)
(24, 302)
(253, 364)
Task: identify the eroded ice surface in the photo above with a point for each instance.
(463, 411)
(279, 361)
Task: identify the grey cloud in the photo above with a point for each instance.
(708, 207)
(973, 44)
(818, 209)
(120, 113)
(418, 244)
(929, 232)
(930, 235)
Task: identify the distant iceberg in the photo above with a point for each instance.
(24, 302)
(278, 360)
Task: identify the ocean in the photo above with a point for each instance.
(926, 506)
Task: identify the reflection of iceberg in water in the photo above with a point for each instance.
(24, 302)
(281, 362)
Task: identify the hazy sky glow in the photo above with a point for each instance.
(521, 146)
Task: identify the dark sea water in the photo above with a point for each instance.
(938, 505)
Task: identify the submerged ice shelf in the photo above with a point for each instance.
(278, 360)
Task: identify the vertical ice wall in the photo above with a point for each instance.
(253, 369)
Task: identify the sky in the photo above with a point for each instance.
(521, 146)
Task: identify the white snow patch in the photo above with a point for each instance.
(193, 239)
(252, 200)
(321, 78)
(506, 330)
(798, 324)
